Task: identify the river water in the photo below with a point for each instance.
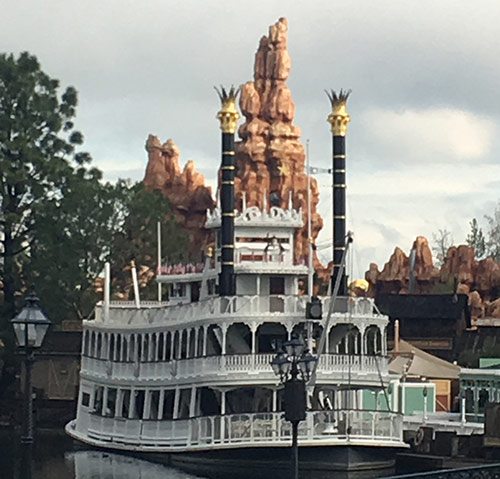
(55, 458)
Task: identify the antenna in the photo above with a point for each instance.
(310, 271)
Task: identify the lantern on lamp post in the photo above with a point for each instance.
(294, 367)
(30, 327)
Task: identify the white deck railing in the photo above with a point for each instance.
(232, 367)
(125, 312)
(329, 427)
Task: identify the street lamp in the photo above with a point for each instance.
(294, 367)
(30, 327)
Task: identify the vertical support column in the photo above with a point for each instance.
(338, 120)
(160, 406)
(253, 329)
(228, 117)
(205, 332)
(104, 410)
(131, 405)
(192, 402)
(224, 328)
(196, 334)
(175, 412)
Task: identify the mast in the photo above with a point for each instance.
(227, 116)
(338, 119)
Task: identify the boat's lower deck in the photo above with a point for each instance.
(354, 444)
(318, 462)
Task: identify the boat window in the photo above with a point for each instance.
(276, 285)
(184, 344)
(184, 402)
(168, 346)
(161, 342)
(98, 395)
(139, 396)
(155, 404)
(145, 353)
(249, 399)
(86, 344)
(192, 344)
(209, 402)
(270, 337)
(125, 349)
(239, 339)
(99, 346)
(85, 399)
(214, 340)
(110, 403)
(119, 338)
(168, 404)
(92, 344)
(111, 355)
(153, 355)
(199, 351)
(139, 348)
(125, 403)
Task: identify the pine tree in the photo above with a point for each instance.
(476, 239)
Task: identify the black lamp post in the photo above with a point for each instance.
(294, 368)
(30, 327)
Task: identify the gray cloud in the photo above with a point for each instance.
(149, 67)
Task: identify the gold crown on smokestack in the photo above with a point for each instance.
(228, 114)
(338, 118)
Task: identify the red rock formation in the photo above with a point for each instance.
(394, 278)
(270, 157)
(460, 272)
(186, 190)
(458, 265)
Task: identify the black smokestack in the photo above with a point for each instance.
(338, 120)
(228, 116)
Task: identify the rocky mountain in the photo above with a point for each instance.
(269, 155)
(460, 272)
(186, 190)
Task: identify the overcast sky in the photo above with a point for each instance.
(425, 104)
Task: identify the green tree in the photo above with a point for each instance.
(136, 239)
(476, 239)
(74, 234)
(37, 141)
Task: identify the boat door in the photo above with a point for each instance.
(276, 292)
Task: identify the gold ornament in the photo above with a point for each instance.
(228, 114)
(338, 118)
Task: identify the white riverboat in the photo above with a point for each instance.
(189, 380)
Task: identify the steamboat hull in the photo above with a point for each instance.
(344, 461)
(318, 462)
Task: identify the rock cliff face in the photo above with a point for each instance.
(394, 277)
(270, 157)
(460, 272)
(186, 190)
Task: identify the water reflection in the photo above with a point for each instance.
(104, 465)
(53, 457)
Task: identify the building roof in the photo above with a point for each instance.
(424, 306)
(412, 361)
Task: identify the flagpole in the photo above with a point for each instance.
(159, 260)
(309, 232)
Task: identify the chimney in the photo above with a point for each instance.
(227, 116)
(338, 120)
